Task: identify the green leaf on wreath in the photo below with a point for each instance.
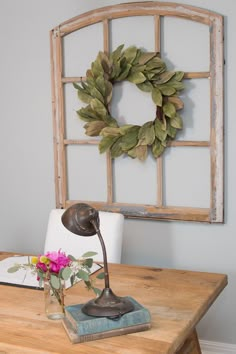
(146, 134)
(169, 110)
(159, 132)
(157, 97)
(130, 54)
(177, 122)
(98, 107)
(145, 57)
(137, 78)
(145, 86)
(157, 148)
(116, 54)
(106, 143)
(94, 128)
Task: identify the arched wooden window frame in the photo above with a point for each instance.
(215, 74)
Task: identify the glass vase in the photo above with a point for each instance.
(54, 301)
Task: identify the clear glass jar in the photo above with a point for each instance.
(54, 301)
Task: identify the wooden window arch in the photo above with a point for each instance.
(213, 213)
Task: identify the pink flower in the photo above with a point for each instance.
(58, 261)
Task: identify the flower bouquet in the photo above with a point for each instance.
(53, 269)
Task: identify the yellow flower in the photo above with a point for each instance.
(44, 260)
(34, 260)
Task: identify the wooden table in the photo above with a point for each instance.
(177, 300)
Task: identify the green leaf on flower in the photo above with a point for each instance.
(97, 291)
(89, 254)
(83, 275)
(88, 262)
(66, 273)
(101, 275)
(14, 269)
(72, 257)
(55, 282)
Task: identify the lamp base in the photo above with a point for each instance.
(108, 305)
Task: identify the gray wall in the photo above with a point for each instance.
(26, 156)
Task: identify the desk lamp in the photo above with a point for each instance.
(82, 219)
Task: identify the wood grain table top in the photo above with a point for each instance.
(176, 299)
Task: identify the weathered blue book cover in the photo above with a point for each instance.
(84, 325)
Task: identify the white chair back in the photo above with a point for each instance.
(111, 226)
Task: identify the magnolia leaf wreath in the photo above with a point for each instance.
(149, 73)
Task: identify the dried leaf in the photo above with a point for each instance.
(145, 86)
(177, 122)
(145, 57)
(88, 114)
(137, 78)
(94, 128)
(97, 68)
(164, 77)
(157, 97)
(141, 152)
(130, 139)
(171, 131)
(169, 110)
(106, 143)
(110, 131)
(100, 84)
(166, 90)
(105, 62)
(98, 107)
(116, 149)
(146, 134)
(130, 54)
(157, 148)
(124, 73)
(176, 101)
(159, 132)
(116, 54)
(179, 75)
(97, 94)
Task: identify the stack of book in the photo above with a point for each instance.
(83, 328)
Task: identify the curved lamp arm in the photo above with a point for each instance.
(83, 220)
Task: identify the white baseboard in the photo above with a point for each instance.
(208, 347)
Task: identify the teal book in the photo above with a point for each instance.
(82, 328)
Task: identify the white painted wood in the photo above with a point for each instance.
(209, 347)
